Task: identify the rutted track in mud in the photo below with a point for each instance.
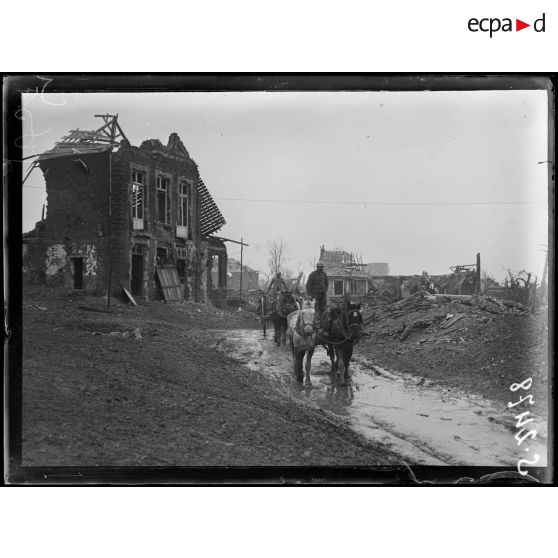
(423, 423)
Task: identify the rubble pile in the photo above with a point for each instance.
(478, 344)
(441, 318)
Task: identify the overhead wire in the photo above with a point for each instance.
(343, 202)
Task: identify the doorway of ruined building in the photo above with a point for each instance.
(137, 275)
(181, 269)
(137, 278)
(77, 268)
(222, 271)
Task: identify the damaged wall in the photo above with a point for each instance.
(70, 253)
(56, 260)
(159, 240)
(91, 237)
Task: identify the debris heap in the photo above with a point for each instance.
(437, 315)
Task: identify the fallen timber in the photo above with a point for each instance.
(418, 311)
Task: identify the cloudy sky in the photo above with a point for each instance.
(421, 180)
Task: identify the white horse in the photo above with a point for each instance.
(301, 336)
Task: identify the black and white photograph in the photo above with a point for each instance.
(343, 277)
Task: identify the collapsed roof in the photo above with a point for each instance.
(341, 263)
(111, 135)
(105, 138)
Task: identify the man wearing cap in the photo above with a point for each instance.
(316, 287)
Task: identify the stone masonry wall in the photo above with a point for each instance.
(155, 235)
(76, 223)
(89, 217)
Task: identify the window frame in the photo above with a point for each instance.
(159, 178)
(184, 191)
(335, 285)
(143, 185)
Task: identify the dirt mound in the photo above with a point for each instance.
(480, 344)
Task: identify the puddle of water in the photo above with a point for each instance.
(425, 424)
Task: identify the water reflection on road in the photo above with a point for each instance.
(424, 423)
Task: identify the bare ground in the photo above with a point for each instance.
(95, 395)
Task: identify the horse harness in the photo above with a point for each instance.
(346, 335)
(279, 308)
(303, 327)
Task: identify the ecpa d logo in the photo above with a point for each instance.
(493, 25)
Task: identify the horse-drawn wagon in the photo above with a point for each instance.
(337, 330)
(275, 309)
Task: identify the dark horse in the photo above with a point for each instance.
(280, 309)
(342, 327)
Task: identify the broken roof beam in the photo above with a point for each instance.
(78, 135)
(111, 121)
(109, 133)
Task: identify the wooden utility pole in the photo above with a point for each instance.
(545, 271)
(111, 228)
(241, 255)
(110, 271)
(478, 275)
(242, 244)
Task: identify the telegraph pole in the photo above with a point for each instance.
(478, 275)
(242, 244)
(545, 271)
(241, 254)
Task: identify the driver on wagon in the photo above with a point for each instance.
(316, 287)
(277, 285)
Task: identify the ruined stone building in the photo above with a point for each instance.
(117, 213)
(345, 273)
(250, 277)
(377, 269)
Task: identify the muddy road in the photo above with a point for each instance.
(96, 394)
(423, 422)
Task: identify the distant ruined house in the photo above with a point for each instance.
(345, 273)
(121, 216)
(250, 277)
(377, 269)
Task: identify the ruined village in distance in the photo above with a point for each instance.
(153, 336)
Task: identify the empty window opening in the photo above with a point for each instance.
(218, 271)
(183, 210)
(162, 256)
(163, 201)
(183, 207)
(138, 198)
(338, 288)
